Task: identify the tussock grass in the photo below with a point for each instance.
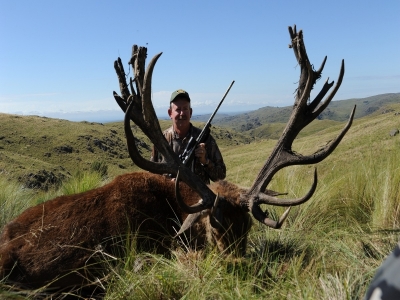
(13, 200)
(82, 182)
(328, 249)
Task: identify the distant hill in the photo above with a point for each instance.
(268, 120)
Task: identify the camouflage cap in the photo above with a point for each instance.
(181, 93)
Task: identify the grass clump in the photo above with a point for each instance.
(99, 167)
(13, 200)
(82, 181)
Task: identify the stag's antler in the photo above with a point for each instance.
(302, 114)
(138, 107)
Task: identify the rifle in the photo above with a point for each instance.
(187, 155)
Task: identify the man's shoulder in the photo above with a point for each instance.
(169, 130)
(169, 134)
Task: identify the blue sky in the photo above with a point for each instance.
(58, 56)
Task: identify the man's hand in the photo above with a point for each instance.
(201, 153)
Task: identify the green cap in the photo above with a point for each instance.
(181, 94)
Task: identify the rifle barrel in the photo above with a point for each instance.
(223, 98)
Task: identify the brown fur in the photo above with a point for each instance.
(59, 238)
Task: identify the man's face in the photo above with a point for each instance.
(180, 113)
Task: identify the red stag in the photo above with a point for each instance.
(60, 241)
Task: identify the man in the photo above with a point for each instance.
(208, 162)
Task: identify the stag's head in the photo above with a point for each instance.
(223, 208)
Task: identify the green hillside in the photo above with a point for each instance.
(39, 151)
(269, 121)
(368, 135)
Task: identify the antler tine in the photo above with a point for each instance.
(267, 199)
(269, 222)
(308, 77)
(137, 61)
(331, 95)
(121, 102)
(302, 114)
(119, 69)
(324, 152)
(147, 107)
(321, 68)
